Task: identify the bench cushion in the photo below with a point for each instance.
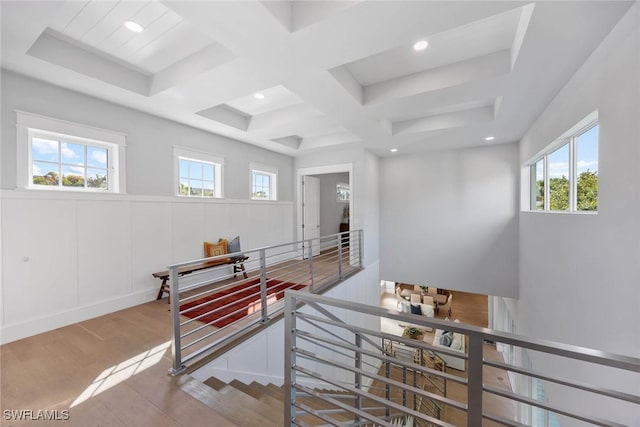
(234, 246)
(215, 249)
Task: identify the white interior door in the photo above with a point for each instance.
(311, 211)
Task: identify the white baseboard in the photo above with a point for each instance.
(33, 326)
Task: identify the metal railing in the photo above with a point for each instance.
(335, 346)
(208, 305)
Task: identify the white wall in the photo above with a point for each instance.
(449, 219)
(579, 275)
(261, 357)
(330, 209)
(67, 257)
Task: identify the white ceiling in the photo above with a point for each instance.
(340, 73)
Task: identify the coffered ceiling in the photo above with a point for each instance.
(299, 76)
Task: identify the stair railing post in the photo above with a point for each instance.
(289, 360)
(310, 257)
(176, 349)
(358, 376)
(263, 286)
(340, 256)
(474, 386)
(360, 248)
(387, 388)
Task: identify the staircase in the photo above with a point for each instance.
(253, 405)
(258, 405)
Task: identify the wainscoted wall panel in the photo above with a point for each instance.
(67, 260)
(151, 242)
(188, 220)
(215, 223)
(39, 258)
(104, 250)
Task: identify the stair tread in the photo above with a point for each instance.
(215, 383)
(275, 391)
(236, 406)
(274, 412)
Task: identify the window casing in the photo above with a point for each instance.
(566, 178)
(58, 155)
(198, 174)
(264, 182)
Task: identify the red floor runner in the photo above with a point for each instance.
(228, 301)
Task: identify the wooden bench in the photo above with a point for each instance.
(237, 262)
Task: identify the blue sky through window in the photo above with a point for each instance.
(587, 151)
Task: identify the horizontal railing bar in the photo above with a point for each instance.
(288, 266)
(240, 309)
(550, 407)
(390, 359)
(335, 318)
(186, 322)
(315, 413)
(503, 421)
(426, 370)
(391, 337)
(294, 278)
(565, 350)
(221, 341)
(345, 407)
(375, 398)
(415, 390)
(220, 287)
(209, 324)
(342, 411)
(255, 250)
(217, 290)
(567, 382)
(330, 349)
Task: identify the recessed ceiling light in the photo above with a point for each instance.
(490, 138)
(134, 26)
(421, 45)
(394, 150)
(258, 95)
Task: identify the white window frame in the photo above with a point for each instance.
(569, 138)
(31, 125)
(198, 156)
(257, 168)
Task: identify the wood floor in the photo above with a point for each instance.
(108, 371)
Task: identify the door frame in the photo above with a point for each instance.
(321, 170)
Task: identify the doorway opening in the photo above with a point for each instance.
(325, 201)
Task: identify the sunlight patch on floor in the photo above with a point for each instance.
(122, 371)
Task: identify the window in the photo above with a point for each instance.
(537, 200)
(587, 170)
(566, 179)
(199, 174)
(56, 161)
(263, 183)
(558, 162)
(58, 155)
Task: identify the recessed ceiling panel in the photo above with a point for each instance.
(476, 39)
(167, 38)
(264, 101)
(295, 15)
